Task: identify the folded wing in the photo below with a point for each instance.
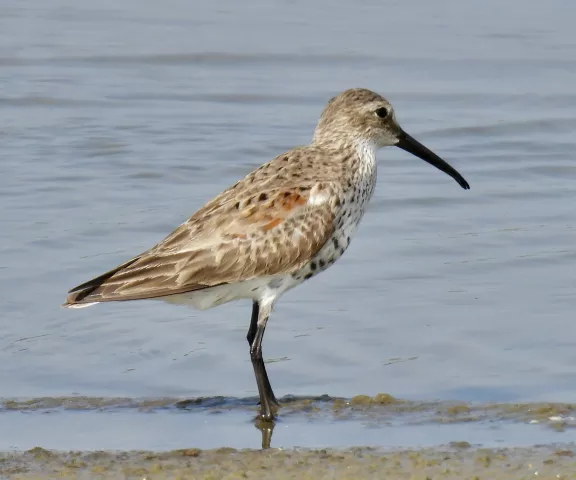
(265, 231)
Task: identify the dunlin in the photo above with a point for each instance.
(283, 223)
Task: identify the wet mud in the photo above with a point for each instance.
(457, 461)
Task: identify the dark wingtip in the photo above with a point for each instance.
(80, 292)
(74, 297)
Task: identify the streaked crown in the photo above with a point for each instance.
(355, 115)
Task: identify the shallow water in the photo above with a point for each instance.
(90, 423)
(115, 431)
(119, 119)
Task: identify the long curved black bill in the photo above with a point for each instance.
(410, 144)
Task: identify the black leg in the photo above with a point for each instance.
(253, 324)
(261, 368)
(250, 337)
(255, 336)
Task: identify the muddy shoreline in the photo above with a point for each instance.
(456, 461)
(548, 427)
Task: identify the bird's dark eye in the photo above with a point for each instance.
(382, 112)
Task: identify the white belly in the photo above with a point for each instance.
(270, 287)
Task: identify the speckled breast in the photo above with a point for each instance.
(352, 208)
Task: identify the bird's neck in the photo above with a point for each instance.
(362, 148)
(366, 151)
(364, 169)
(357, 156)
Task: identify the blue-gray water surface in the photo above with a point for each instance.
(119, 119)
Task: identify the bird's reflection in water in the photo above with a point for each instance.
(219, 403)
(289, 404)
(266, 428)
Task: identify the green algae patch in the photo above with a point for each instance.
(385, 399)
(190, 452)
(40, 453)
(363, 400)
(378, 399)
(458, 409)
(456, 461)
(459, 444)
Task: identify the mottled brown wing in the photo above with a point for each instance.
(235, 237)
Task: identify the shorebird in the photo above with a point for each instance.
(282, 224)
